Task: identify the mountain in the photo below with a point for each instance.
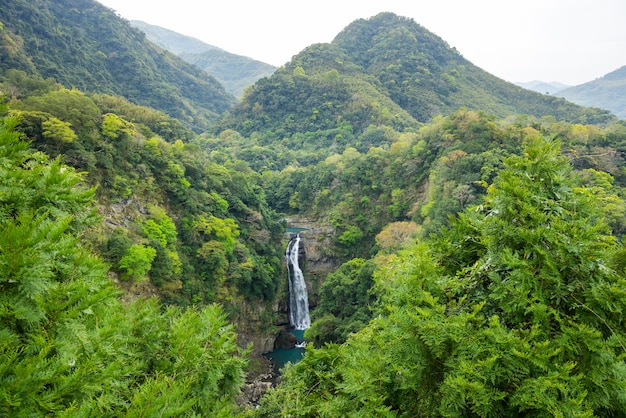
(543, 86)
(172, 41)
(386, 70)
(608, 92)
(336, 137)
(83, 44)
(235, 72)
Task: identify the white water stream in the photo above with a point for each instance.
(298, 298)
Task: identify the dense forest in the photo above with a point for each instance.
(82, 44)
(477, 229)
(514, 308)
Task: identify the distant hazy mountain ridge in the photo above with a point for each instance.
(608, 92)
(235, 72)
(543, 87)
(172, 41)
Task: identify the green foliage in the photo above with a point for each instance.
(89, 47)
(152, 185)
(117, 246)
(113, 126)
(224, 231)
(514, 309)
(69, 346)
(143, 118)
(351, 236)
(298, 71)
(57, 130)
(345, 299)
(70, 106)
(137, 261)
(160, 228)
(17, 84)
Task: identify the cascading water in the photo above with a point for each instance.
(298, 309)
(298, 298)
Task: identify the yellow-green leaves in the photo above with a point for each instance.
(138, 261)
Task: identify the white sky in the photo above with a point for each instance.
(570, 41)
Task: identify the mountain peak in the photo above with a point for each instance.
(385, 70)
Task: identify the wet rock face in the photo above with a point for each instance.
(315, 243)
(253, 328)
(285, 340)
(266, 344)
(317, 263)
(251, 393)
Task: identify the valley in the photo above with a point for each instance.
(457, 240)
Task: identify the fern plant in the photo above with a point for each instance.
(69, 347)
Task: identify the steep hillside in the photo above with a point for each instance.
(475, 242)
(82, 44)
(608, 92)
(70, 345)
(427, 77)
(385, 70)
(320, 91)
(172, 41)
(235, 72)
(207, 225)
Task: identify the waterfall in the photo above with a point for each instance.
(298, 298)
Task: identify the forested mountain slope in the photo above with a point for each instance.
(176, 223)
(384, 70)
(484, 270)
(69, 344)
(608, 92)
(201, 230)
(82, 44)
(235, 72)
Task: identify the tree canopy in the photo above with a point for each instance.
(515, 309)
(483, 269)
(83, 44)
(68, 345)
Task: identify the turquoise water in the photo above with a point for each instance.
(282, 356)
(298, 333)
